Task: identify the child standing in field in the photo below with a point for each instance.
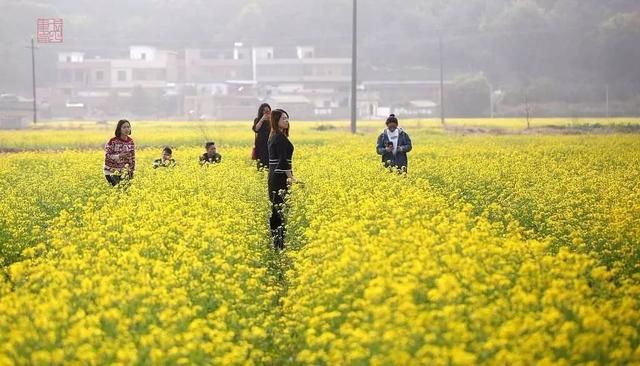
(120, 154)
(166, 160)
(211, 156)
(394, 144)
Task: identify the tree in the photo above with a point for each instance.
(469, 96)
(620, 42)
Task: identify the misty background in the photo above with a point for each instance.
(546, 57)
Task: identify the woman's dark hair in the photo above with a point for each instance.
(392, 119)
(275, 118)
(119, 126)
(167, 150)
(208, 144)
(261, 110)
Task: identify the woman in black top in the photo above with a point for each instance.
(280, 173)
(262, 128)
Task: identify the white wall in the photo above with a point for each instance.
(70, 57)
(142, 53)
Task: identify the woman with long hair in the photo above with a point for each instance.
(280, 173)
(120, 154)
(262, 128)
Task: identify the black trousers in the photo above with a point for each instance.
(262, 158)
(261, 165)
(113, 179)
(399, 169)
(277, 193)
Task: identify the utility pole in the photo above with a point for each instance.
(607, 100)
(491, 100)
(33, 79)
(354, 67)
(254, 67)
(442, 120)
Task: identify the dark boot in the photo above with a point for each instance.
(277, 237)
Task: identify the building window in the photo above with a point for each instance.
(99, 75)
(122, 75)
(79, 76)
(145, 74)
(68, 58)
(65, 76)
(143, 56)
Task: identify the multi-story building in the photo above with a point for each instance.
(231, 83)
(100, 85)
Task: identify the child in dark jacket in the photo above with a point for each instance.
(211, 156)
(166, 160)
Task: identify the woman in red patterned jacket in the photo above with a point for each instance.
(120, 154)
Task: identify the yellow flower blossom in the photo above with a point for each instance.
(491, 250)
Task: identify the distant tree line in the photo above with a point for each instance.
(543, 51)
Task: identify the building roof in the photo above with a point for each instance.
(403, 82)
(423, 103)
(304, 61)
(289, 98)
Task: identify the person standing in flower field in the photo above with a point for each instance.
(211, 156)
(166, 160)
(120, 154)
(394, 144)
(280, 173)
(262, 128)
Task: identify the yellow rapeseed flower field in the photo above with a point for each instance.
(502, 250)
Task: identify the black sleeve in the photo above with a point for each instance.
(284, 158)
(380, 148)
